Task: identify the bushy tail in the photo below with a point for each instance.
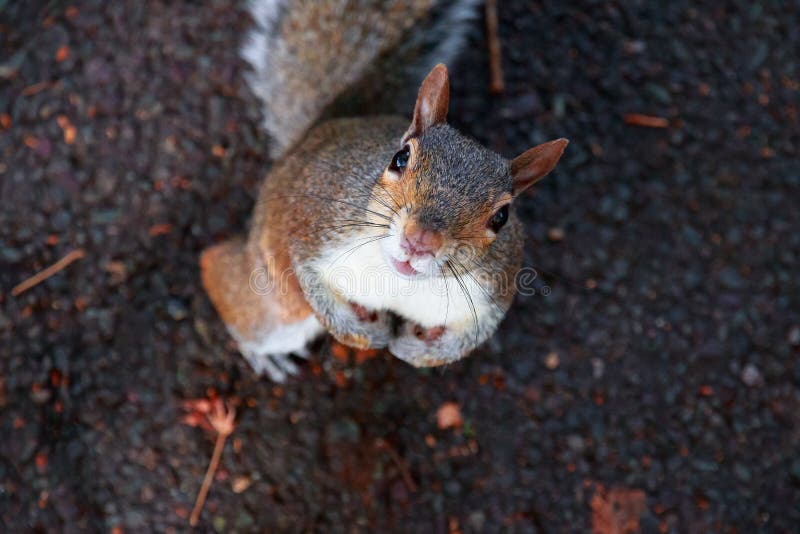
(319, 58)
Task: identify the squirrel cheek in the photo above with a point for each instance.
(389, 177)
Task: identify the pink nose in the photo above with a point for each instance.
(421, 243)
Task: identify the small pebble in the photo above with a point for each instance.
(794, 336)
(751, 376)
(177, 310)
(598, 368)
(555, 234)
(240, 483)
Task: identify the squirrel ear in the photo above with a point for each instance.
(534, 164)
(432, 102)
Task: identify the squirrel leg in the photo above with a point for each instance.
(350, 323)
(269, 320)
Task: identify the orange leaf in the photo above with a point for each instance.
(160, 229)
(340, 352)
(201, 405)
(41, 462)
(69, 134)
(69, 129)
(62, 53)
(364, 355)
(449, 416)
(617, 511)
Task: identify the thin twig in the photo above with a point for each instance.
(648, 121)
(496, 85)
(221, 416)
(401, 465)
(212, 468)
(41, 276)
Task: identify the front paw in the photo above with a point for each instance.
(426, 347)
(362, 329)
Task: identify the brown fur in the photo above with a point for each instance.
(226, 271)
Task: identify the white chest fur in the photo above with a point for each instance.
(363, 276)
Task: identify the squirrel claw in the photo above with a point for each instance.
(357, 341)
(428, 335)
(363, 314)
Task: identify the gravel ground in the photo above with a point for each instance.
(658, 379)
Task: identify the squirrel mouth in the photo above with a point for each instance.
(404, 268)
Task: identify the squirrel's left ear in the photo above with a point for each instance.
(432, 102)
(534, 164)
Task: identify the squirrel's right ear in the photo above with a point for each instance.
(534, 164)
(432, 102)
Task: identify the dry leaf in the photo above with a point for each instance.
(617, 510)
(240, 484)
(340, 351)
(62, 53)
(160, 229)
(449, 416)
(364, 355)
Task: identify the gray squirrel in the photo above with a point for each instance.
(380, 231)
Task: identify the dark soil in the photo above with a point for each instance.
(664, 358)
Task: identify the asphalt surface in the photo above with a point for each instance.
(661, 368)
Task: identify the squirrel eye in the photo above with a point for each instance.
(400, 160)
(499, 219)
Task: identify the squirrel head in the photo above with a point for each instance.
(447, 196)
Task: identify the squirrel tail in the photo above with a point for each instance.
(315, 59)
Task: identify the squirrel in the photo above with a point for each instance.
(383, 232)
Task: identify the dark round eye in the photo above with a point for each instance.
(499, 219)
(400, 160)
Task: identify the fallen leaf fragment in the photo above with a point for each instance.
(617, 510)
(62, 53)
(449, 416)
(69, 130)
(555, 234)
(160, 229)
(240, 484)
(647, 121)
(340, 351)
(552, 361)
(41, 462)
(221, 417)
(364, 355)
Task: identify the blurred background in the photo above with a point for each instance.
(652, 383)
